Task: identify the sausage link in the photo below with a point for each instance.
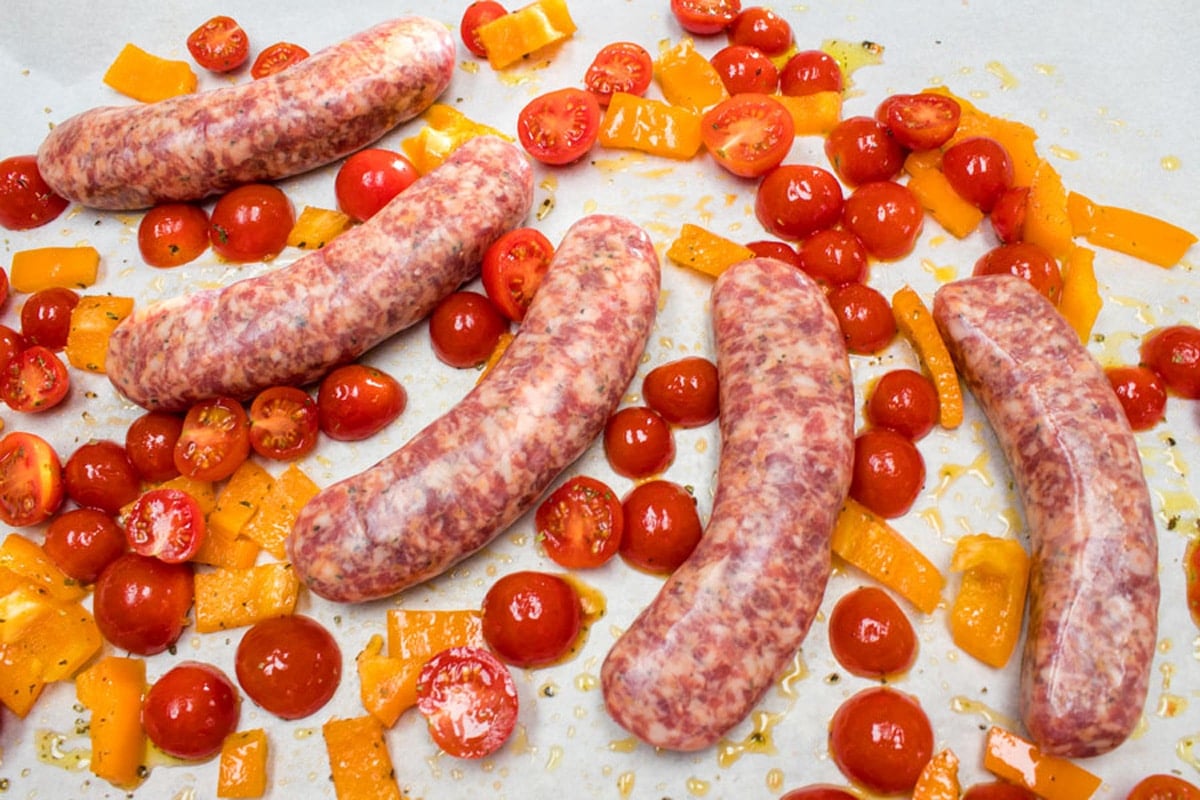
(724, 625)
(468, 475)
(1094, 584)
(188, 147)
(290, 325)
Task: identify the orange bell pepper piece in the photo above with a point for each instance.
(1130, 232)
(985, 618)
(512, 37)
(1080, 302)
(446, 128)
(1047, 223)
(317, 227)
(359, 759)
(147, 77)
(47, 267)
(112, 689)
(704, 251)
(813, 114)
(242, 766)
(277, 514)
(234, 598)
(1018, 761)
(1191, 575)
(867, 541)
(1016, 137)
(939, 778)
(93, 320)
(915, 321)
(650, 126)
(937, 196)
(687, 78)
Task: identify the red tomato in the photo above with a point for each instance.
(1142, 394)
(1163, 787)
(889, 472)
(1008, 215)
(920, 121)
(560, 126)
(1191, 574)
(886, 216)
(881, 739)
(46, 317)
(905, 401)
(638, 442)
(369, 179)
(771, 248)
(979, 169)
(11, 344)
(870, 635)
(275, 58)
(100, 475)
(150, 445)
(214, 440)
(141, 603)
(705, 17)
(219, 45)
(469, 701)
(83, 541)
(997, 790)
(794, 201)
(684, 392)
(745, 70)
(662, 526)
(166, 524)
(3, 287)
(580, 524)
(862, 150)
(251, 223)
(748, 134)
(478, 13)
(761, 28)
(823, 791)
(1174, 353)
(355, 402)
(465, 328)
(26, 201)
(532, 619)
(283, 423)
(291, 666)
(31, 479)
(35, 380)
(190, 710)
(513, 267)
(864, 316)
(619, 67)
(172, 234)
(1025, 260)
(834, 257)
(809, 72)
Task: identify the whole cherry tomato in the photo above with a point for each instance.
(662, 526)
(705, 17)
(465, 328)
(214, 440)
(188, 712)
(794, 201)
(26, 200)
(862, 150)
(1174, 353)
(864, 316)
(469, 701)
(580, 525)
(870, 635)
(141, 603)
(165, 523)
(1025, 260)
(512, 270)
(150, 444)
(172, 234)
(477, 14)
(100, 475)
(745, 69)
(283, 423)
(638, 442)
(277, 57)
(31, 479)
(684, 392)
(979, 169)
(822, 791)
(834, 257)
(531, 619)
(810, 71)
(219, 45)
(905, 401)
(773, 248)
(35, 380)
(619, 67)
(920, 121)
(1008, 215)
(357, 401)
(881, 739)
(1142, 394)
(83, 541)
(889, 472)
(369, 179)
(1163, 787)
(251, 223)
(997, 790)
(46, 317)
(291, 666)
(748, 134)
(761, 28)
(560, 126)
(886, 216)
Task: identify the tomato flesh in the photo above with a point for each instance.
(190, 710)
(291, 666)
(532, 619)
(638, 442)
(869, 634)
(580, 525)
(355, 402)
(559, 127)
(662, 526)
(251, 223)
(213, 441)
(513, 268)
(284, 423)
(165, 523)
(172, 234)
(920, 121)
(277, 58)
(469, 701)
(997, 790)
(1163, 787)
(619, 67)
(819, 792)
(219, 45)
(370, 179)
(748, 134)
(685, 392)
(141, 603)
(31, 479)
(100, 475)
(881, 739)
(889, 472)
(26, 200)
(35, 380)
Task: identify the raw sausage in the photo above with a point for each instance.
(290, 325)
(468, 475)
(1094, 585)
(726, 623)
(188, 147)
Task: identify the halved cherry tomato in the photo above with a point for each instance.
(886, 216)
(823, 791)
(705, 17)
(478, 13)
(881, 739)
(469, 701)
(190, 710)
(662, 526)
(580, 524)
(761, 28)
(531, 618)
(83, 541)
(1008, 215)
(35, 380)
(276, 58)
(862, 150)
(11, 344)
(1174, 353)
(357, 401)
(369, 179)
(638, 442)
(291, 666)
(513, 267)
(283, 423)
(100, 475)
(979, 169)
(1142, 393)
(619, 67)
(794, 201)
(141, 603)
(150, 444)
(809, 72)
(745, 69)
(31, 481)
(46, 317)
(251, 223)
(905, 401)
(219, 45)
(684, 392)
(165, 523)
(920, 121)
(834, 257)
(465, 328)
(1163, 787)
(172, 234)
(870, 635)
(864, 316)
(748, 134)
(214, 440)
(772, 248)
(997, 790)
(889, 472)
(560, 126)
(26, 200)
(1025, 260)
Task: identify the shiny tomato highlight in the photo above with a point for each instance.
(465, 328)
(864, 316)
(684, 392)
(83, 541)
(905, 401)
(833, 257)
(979, 169)
(705, 17)
(251, 223)
(810, 71)
(761, 28)
(370, 179)
(46, 317)
(889, 472)
(1164, 787)
(477, 14)
(99, 474)
(1174, 353)
(920, 121)
(745, 69)
(1025, 260)
(794, 201)
(886, 216)
(862, 150)
(150, 445)
(165, 523)
(1142, 394)
(141, 603)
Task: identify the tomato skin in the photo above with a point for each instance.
(905, 401)
(662, 527)
(291, 666)
(920, 121)
(560, 126)
(513, 268)
(1025, 260)
(35, 380)
(165, 523)
(870, 635)
(638, 442)
(1191, 574)
(862, 150)
(619, 67)
(997, 790)
(761, 28)
(214, 440)
(748, 134)
(369, 179)
(1008, 215)
(864, 316)
(26, 200)
(284, 423)
(478, 13)
(809, 72)
(31, 479)
(771, 248)
(190, 710)
(11, 344)
(275, 58)
(745, 69)
(822, 791)
(886, 216)
(889, 472)
(1163, 787)
(979, 169)
(881, 739)
(580, 525)
(172, 234)
(141, 603)
(83, 541)
(219, 45)
(834, 257)
(684, 392)
(355, 402)
(100, 475)
(794, 201)
(705, 17)
(46, 317)
(150, 445)
(1142, 394)
(1174, 353)
(465, 328)
(469, 701)
(532, 619)
(251, 223)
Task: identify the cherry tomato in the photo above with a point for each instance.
(251, 223)
(834, 257)
(3, 287)
(188, 712)
(1008, 215)
(291, 666)
(150, 444)
(214, 440)
(822, 791)
(809, 72)
(772, 248)
(920, 121)
(531, 619)
(889, 472)
(881, 739)
(638, 442)
(355, 402)
(35, 380)
(283, 423)
(794, 201)
(165, 523)
(864, 316)
(469, 701)
(745, 70)
(477, 14)
(369, 179)
(705, 17)
(100, 475)
(1163, 787)
(905, 401)
(31, 479)
(11, 344)
(26, 201)
(684, 392)
(761, 28)
(580, 524)
(886, 216)
(83, 541)
(172, 234)
(862, 150)
(513, 267)
(465, 328)
(997, 790)
(141, 603)
(748, 134)
(46, 317)
(662, 526)
(979, 169)
(1142, 394)
(560, 126)
(275, 58)
(219, 45)
(619, 67)
(1174, 353)
(1025, 260)
(870, 635)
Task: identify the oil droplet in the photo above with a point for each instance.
(701, 445)
(965, 705)
(619, 164)
(759, 740)
(1007, 79)
(469, 67)
(625, 783)
(698, 787)
(774, 780)
(52, 749)
(590, 206)
(586, 682)
(853, 55)
(555, 758)
(797, 672)
(1171, 706)
(657, 174)
(943, 274)
(623, 745)
(1064, 153)
(1185, 748)
(1170, 163)
(978, 468)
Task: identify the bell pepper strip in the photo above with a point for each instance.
(112, 689)
(1047, 224)
(242, 765)
(277, 514)
(704, 251)
(813, 114)
(523, 32)
(1080, 302)
(317, 227)
(93, 320)
(359, 760)
(651, 126)
(501, 345)
(1019, 761)
(985, 617)
(687, 78)
(149, 78)
(1017, 138)
(868, 542)
(939, 778)
(1191, 575)
(234, 598)
(48, 267)
(1130, 232)
(445, 129)
(915, 321)
(935, 194)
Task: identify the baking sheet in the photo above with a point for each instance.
(1110, 92)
